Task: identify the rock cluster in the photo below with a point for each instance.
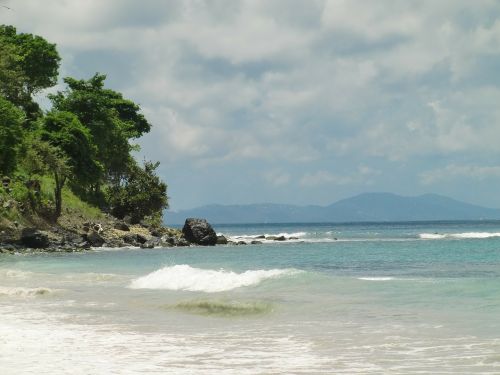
(108, 233)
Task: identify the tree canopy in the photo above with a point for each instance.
(112, 120)
(28, 64)
(84, 142)
(11, 134)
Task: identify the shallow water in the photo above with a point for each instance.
(342, 299)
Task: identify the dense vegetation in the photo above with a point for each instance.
(80, 148)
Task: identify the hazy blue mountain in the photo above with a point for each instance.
(363, 207)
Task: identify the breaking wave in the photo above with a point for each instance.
(184, 277)
(15, 274)
(24, 292)
(466, 235)
(224, 308)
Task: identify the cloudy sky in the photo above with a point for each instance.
(296, 101)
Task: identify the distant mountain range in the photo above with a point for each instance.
(360, 208)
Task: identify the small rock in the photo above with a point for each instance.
(270, 238)
(83, 245)
(280, 238)
(157, 232)
(34, 238)
(131, 239)
(241, 243)
(9, 204)
(221, 240)
(254, 242)
(261, 237)
(293, 238)
(95, 239)
(182, 242)
(142, 239)
(120, 225)
(148, 244)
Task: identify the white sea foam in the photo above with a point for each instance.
(24, 292)
(466, 235)
(184, 277)
(91, 276)
(376, 278)
(15, 274)
(49, 342)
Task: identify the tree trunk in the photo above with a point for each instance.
(60, 180)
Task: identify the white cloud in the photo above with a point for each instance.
(362, 176)
(277, 177)
(305, 83)
(454, 171)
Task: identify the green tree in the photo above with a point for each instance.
(140, 194)
(113, 121)
(43, 158)
(65, 131)
(29, 64)
(11, 135)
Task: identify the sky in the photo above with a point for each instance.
(296, 101)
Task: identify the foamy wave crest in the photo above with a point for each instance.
(466, 235)
(184, 277)
(24, 292)
(381, 278)
(15, 274)
(92, 276)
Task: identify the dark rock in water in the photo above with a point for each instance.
(150, 244)
(293, 238)
(221, 240)
(34, 238)
(241, 243)
(120, 225)
(280, 238)
(270, 238)
(261, 237)
(200, 232)
(254, 242)
(83, 245)
(169, 240)
(95, 239)
(182, 242)
(8, 249)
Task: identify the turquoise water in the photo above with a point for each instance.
(385, 298)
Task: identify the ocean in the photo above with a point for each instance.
(385, 298)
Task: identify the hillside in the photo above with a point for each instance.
(363, 207)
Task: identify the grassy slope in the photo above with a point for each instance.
(75, 212)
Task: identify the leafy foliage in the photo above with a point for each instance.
(29, 64)
(111, 119)
(44, 158)
(141, 194)
(11, 134)
(64, 130)
(83, 143)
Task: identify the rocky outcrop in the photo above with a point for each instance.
(95, 239)
(34, 238)
(199, 232)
